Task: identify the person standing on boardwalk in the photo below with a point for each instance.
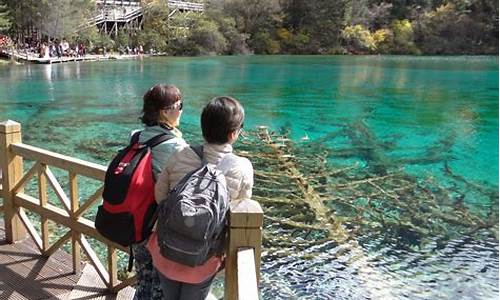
(162, 110)
(221, 124)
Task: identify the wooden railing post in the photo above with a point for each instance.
(75, 236)
(12, 171)
(245, 231)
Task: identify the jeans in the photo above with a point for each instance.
(148, 283)
(175, 290)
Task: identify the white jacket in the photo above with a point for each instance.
(237, 170)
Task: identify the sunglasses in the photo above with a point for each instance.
(179, 105)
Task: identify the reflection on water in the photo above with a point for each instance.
(462, 269)
(426, 117)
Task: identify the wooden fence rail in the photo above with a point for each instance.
(245, 216)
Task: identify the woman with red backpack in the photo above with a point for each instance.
(161, 113)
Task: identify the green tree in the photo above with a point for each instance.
(5, 22)
(122, 40)
(321, 20)
(179, 33)
(292, 43)
(89, 36)
(402, 42)
(155, 32)
(104, 42)
(370, 14)
(61, 18)
(25, 15)
(206, 38)
(253, 16)
(263, 43)
(358, 39)
(236, 40)
(459, 28)
(383, 39)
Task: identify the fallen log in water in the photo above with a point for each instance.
(300, 176)
(310, 205)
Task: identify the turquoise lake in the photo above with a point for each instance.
(426, 114)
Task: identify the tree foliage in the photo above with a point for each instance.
(424, 26)
(358, 37)
(5, 22)
(321, 21)
(52, 18)
(61, 18)
(459, 28)
(277, 26)
(155, 32)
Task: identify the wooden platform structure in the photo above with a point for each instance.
(33, 58)
(112, 14)
(53, 205)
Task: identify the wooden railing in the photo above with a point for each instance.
(183, 5)
(245, 232)
(118, 2)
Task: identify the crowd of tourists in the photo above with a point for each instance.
(5, 41)
(131, 51)
(58, 48)
(168, 200)
(54, 48)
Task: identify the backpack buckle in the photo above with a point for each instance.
(121, 167)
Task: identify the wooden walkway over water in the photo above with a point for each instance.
(33, 58)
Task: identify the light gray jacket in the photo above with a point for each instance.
(237, 170)
(162, 152)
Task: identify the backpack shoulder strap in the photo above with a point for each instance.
(158, 139)
(198, 149)
(135, 137)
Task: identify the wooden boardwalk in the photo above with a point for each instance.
(25, 274)
(32, 58)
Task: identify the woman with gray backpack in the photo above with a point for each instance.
(194, 191)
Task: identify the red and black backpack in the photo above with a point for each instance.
(129, 209)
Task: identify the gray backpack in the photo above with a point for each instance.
(192, 220)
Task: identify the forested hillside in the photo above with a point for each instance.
(275, 26)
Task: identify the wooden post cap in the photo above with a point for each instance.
(10, 126)
(246, 214)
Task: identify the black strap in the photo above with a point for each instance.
(130, 260)
(157, 140)
(199, 151)
(135, 137)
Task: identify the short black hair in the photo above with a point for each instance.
(221, 116)
(159, 97)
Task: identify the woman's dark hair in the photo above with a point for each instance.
(221, 116)
(159, 97)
